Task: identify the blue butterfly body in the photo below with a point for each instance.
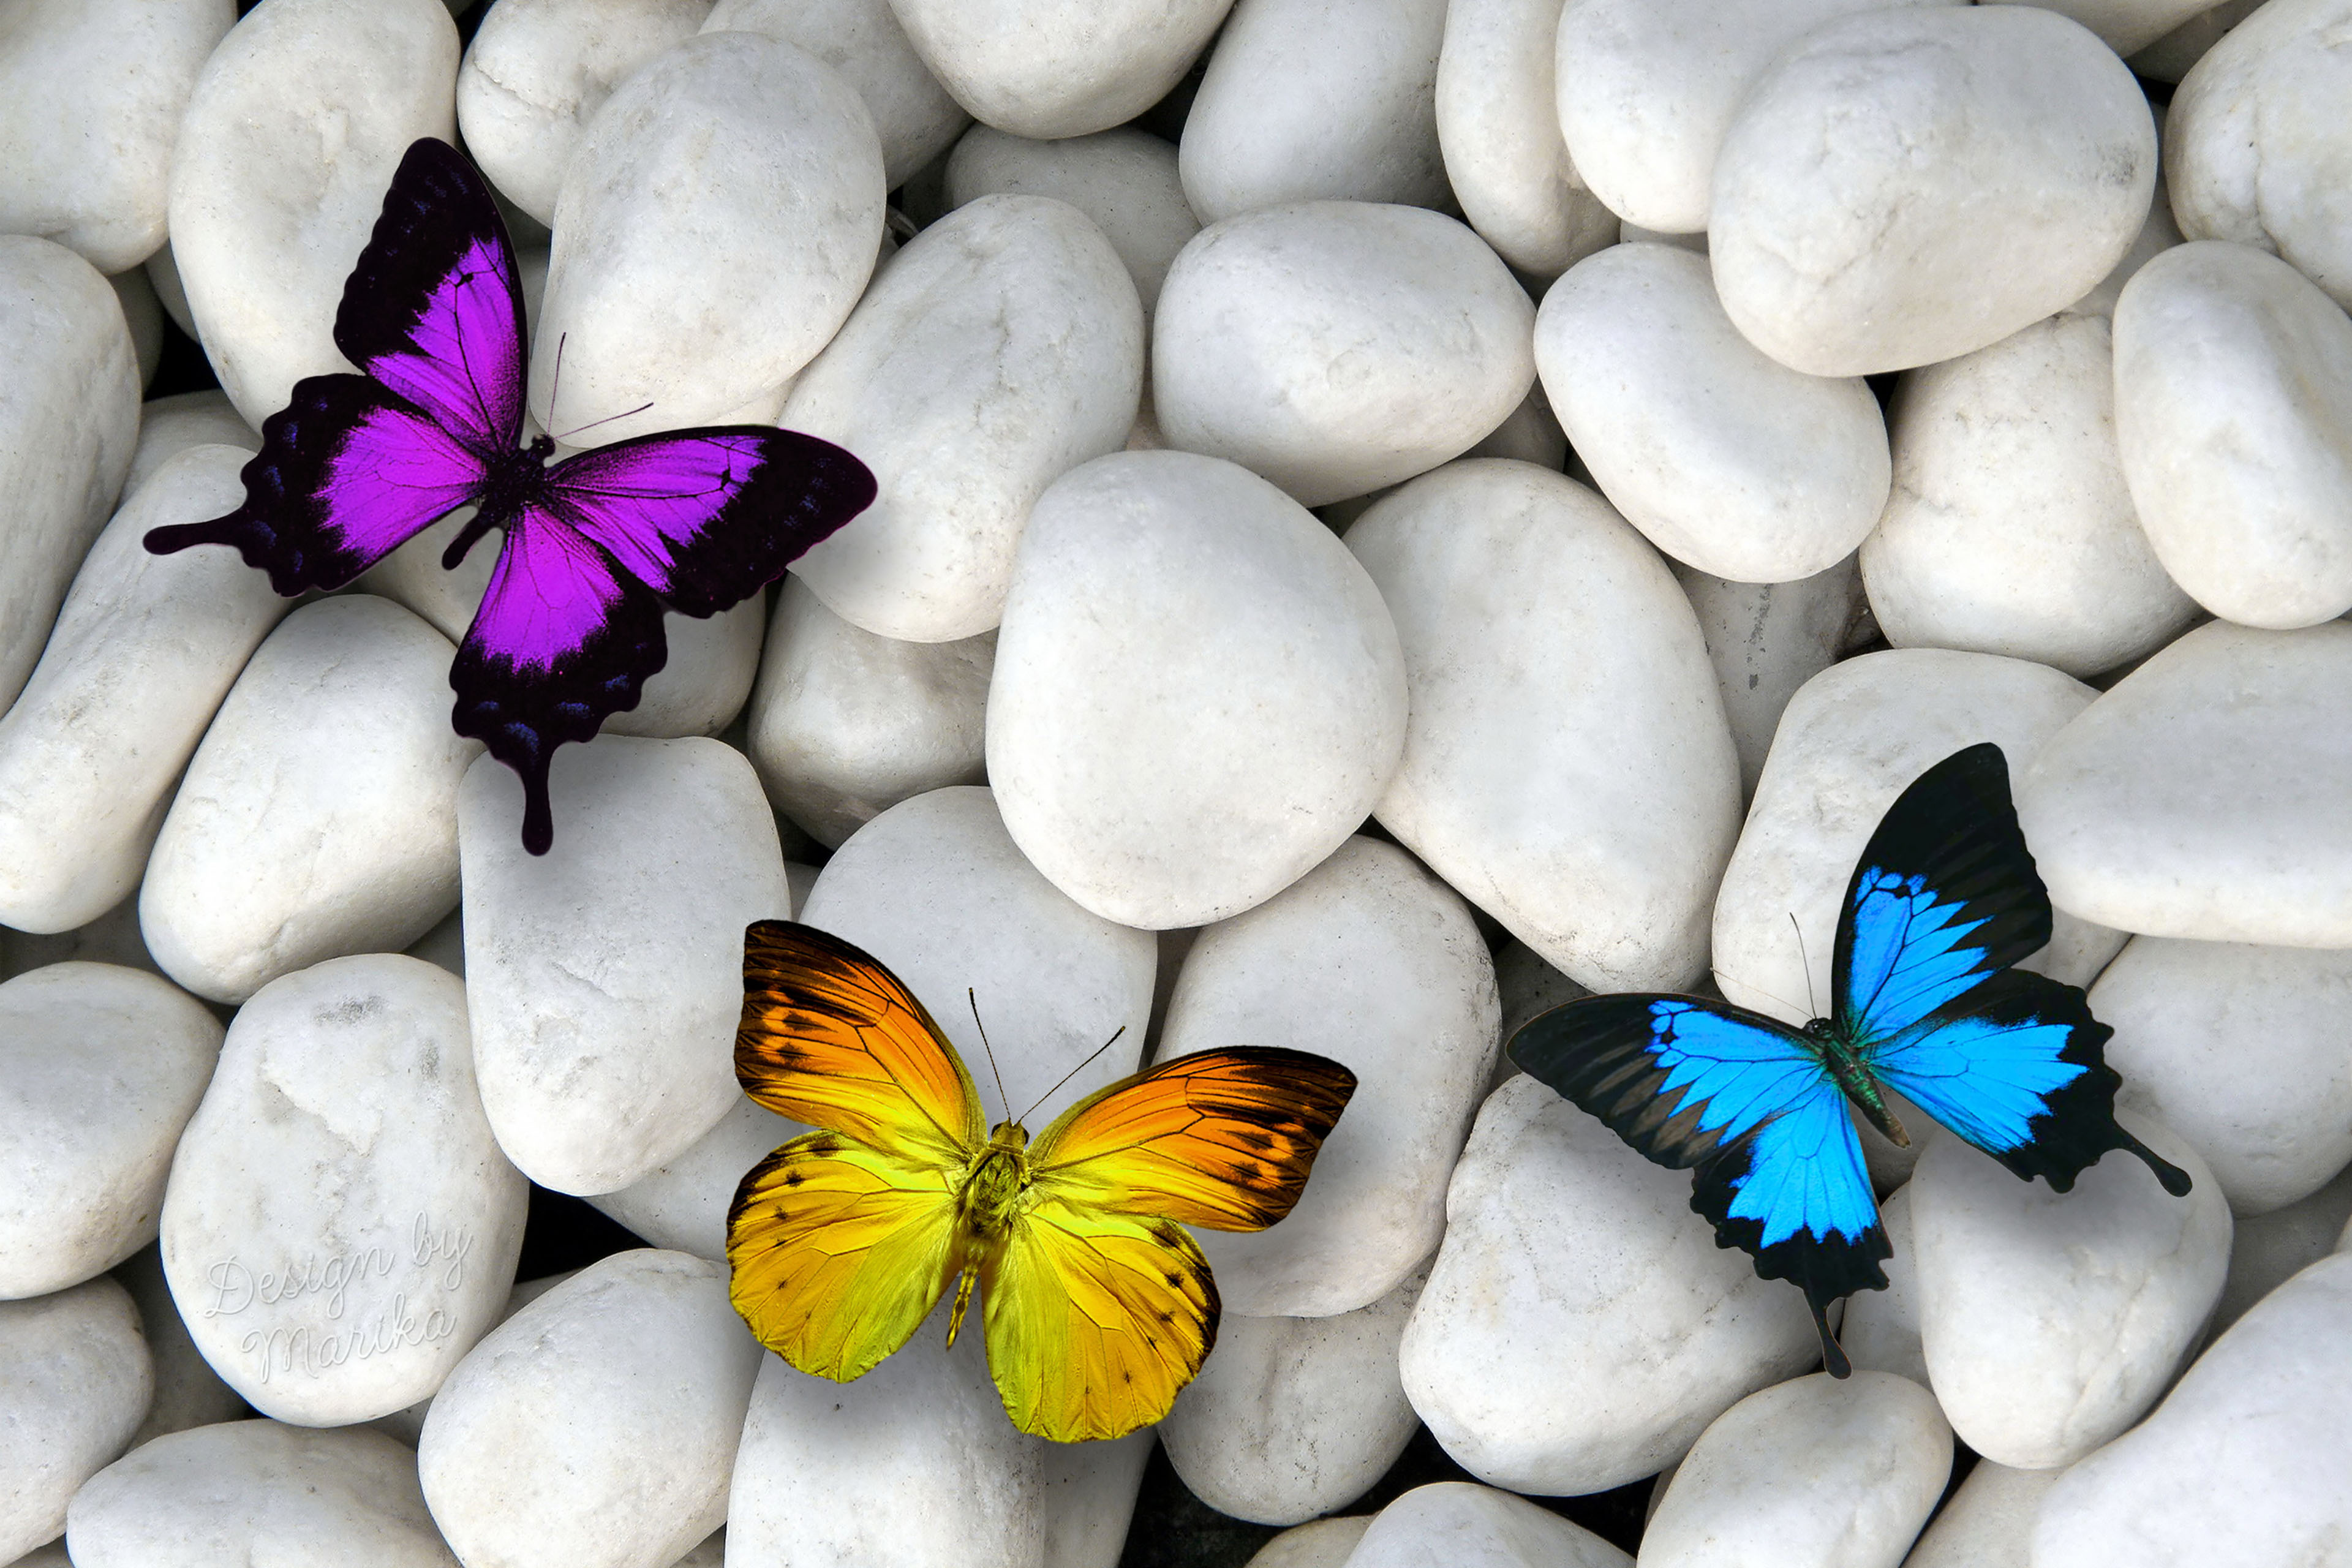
(1944, 902)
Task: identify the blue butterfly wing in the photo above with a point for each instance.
(1746, 1102)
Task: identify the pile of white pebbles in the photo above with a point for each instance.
(1223, 422)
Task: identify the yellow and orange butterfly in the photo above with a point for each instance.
(1098, 1306)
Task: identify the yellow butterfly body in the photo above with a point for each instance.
(1098, 1305)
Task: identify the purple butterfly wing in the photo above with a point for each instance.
(706, 518)
(563, 638)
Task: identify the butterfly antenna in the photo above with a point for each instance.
(1813, 1009)
(556, 390)
(1001, 1098)
(608, 419)
(1074, 1072)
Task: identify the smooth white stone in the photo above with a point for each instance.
(713, 660)
(1124, 180)
(68, 421)
(538, 71)
(91, 93)
(1647, 89)
(341, 1225)
(145, 649)
(320, 814)
(170, 426)
(605, 978)
(2203, 796)
(1432, 330)
(142, 313)
(1499, 127)
(827, 1471)
(1581, 1327)
(722, 214)
(2011, 530)
(1765, 640)
(164, 274)
(1142, 749)
(1984, 167)
(253, 1492)
(2170, 58)
(1293, 1417)
(1002, 348)
(914, 117)
(2051, 1321)
(1852, 740)
(2125, 26)
(845, 724)
(2268, 1249)
(1317, 100)
(1319, 1543)
(1817, 1472)
(1567, 765)
(296, 125)
(1454, 1524)
(2255, 141)
(935, 888)
(682, 1204)
(596, 1427)
(1989, 1523)
(2244, 1463)
(188, 1392)
(1727, 460)
(407, 1424)
(2241, 1050)
(2233, 413)
(1881, 1328)
(2157, 234)
(1371, 961)
(1058, 68)
(100, 1067)
(76, 1382)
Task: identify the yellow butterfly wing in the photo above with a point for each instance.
(840, 1242)
(1100, 1307)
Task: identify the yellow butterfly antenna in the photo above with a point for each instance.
(1001, 1098)
(1074, 1072)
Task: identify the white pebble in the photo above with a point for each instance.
(320, 814)
(1459, 1525)
(1988, 1522)
(340, 1227)
(2203, 796)
(682, 1204)
(605, 978)
(1433, 330)
(1319, 1543)
(1581, 1327)
(76, 1384)
(1125, 180)
(2233, 413)
(1002, 348)
(2268, 1249)
(1728, 461)
(1567, 766)
(100, 1067)
(1901, 186)
(914, 117)
(145, 649)
(720, 216)
(1058, 68)
(596, 1427)
(1881, 1328)
(845, 724)
(170, 426)
(1371, 961)
(293, 132)
(188, 1392)
(1144, 750)
(2051, 1321)
(1766, 639)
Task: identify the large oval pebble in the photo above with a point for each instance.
(1372, 961)
(1428, 327)
(597, 1426)
(1567, 765)
(915, 117)
(2203, 796)
(293, 130)
(170, 426)
(1058, 68)
(340, 1227)
(1766, 639)
(682, 1204)
(1003, 348)
(320, 814)
(145, 649)
(1455, 1522)
(1907, 186)
(1987, 1523)
(1124, 180)
(1581, 1327)
(76, 1382)
(101, 1067)
(1198, 693)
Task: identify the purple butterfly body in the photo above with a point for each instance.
(571, 625)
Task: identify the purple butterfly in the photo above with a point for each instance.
(571, 625)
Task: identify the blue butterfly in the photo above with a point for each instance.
(1944, 902)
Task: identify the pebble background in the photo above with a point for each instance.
(1393, 515)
